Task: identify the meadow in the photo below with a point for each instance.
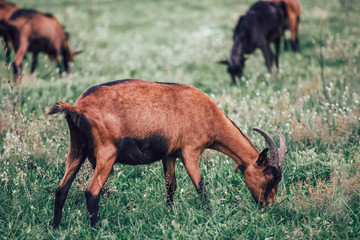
(314, 100)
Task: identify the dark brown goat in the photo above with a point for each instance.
(31, 31)
(293, 12)
(138, 122)
(6, 9)
(263, 24)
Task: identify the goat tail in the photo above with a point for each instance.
(72, 115)
(69, 111)
(62, 107)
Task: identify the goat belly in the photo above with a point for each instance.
(134, 151)
(42, 44)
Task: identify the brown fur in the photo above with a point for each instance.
(185, 117)
(294, 12)
(37, 32)
(6, 9)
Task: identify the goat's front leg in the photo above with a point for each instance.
(268, 55)
(7, 49)
(19, 56)
(170, 179)
(58, 65)
(277, 52)
(191, 161)
(285, 43)
(34, 62)
(105, 159)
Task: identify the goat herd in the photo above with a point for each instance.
(30, 31)
(138, 122)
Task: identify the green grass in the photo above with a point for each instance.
(180, 41)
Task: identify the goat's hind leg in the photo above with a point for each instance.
(75, 158)
(294, 28)
(105, 159)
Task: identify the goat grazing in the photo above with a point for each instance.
(262, 24)
(293, 11)
(35, 32)
(138, 122)
(6, 9)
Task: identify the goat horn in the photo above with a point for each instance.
(282, 150)
(274, 154)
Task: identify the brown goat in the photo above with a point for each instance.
(6, 9)
(31, 31)
(293, 12)
(138, 122)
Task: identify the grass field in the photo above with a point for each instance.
(180, 41)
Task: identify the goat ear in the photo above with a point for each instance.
(226, 62)
(67, 34)
(241, 18)
(75, 52)
(262, 157)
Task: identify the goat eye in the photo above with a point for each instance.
(268, 177)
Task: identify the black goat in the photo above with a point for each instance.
(262, 24)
